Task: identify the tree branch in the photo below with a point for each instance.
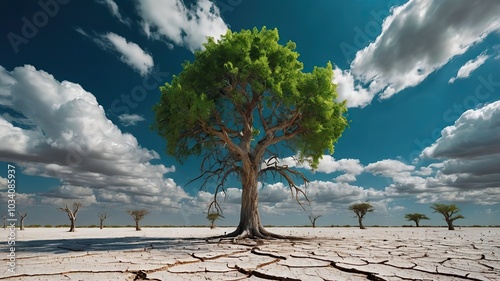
(287, 174)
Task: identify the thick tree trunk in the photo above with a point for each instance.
(450, 225)
(137, 226)
(250, 225)
(416, 222)
(72, 227)
(100, 225)
(361, 226)
(22, 224)
(212, 225)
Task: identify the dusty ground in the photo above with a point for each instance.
(328, 254)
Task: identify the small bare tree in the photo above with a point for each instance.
(138, 215)
(212, 217)
(22, 216)
(360, 210)
(72, 213)
(4, 217)
(102, 217)
(313, 218)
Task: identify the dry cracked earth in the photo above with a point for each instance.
(325, 254)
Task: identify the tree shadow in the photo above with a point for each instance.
(108, 244)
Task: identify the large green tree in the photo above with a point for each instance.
(450, 213)
(243, 103)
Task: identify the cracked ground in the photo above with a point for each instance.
(323, 254)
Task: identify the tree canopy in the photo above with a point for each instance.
(137, 215)
(416, 217)
(360, 209)
(213, 100)
(212, 217)
(450, 213)
(243, 103)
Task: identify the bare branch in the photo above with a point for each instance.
(287, 173)
(102, 216)
(22, 215)
(138, 215)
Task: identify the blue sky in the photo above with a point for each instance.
(78, 80)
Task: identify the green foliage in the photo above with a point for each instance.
(212, 217)
(360, 209)
(416, 217)
(217, 98)
(450, 212)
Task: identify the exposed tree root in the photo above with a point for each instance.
(255, 234)
(258, 274)
(369, 275)
(218, 256)
(256, 251)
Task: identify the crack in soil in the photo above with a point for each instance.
(339, 259)
(66, 273)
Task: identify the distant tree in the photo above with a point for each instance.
(313, 218)
(360, 210)
(72, 213)
(450, 213)
(102, 217)
(416, 217)
(22, 216)
(212, 217)
(242, 104)
(138, 215)
(4, 217)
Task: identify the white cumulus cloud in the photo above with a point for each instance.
(71, 139)
(475, 133)
(347, 89)
(179, 24)
(418, 38)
